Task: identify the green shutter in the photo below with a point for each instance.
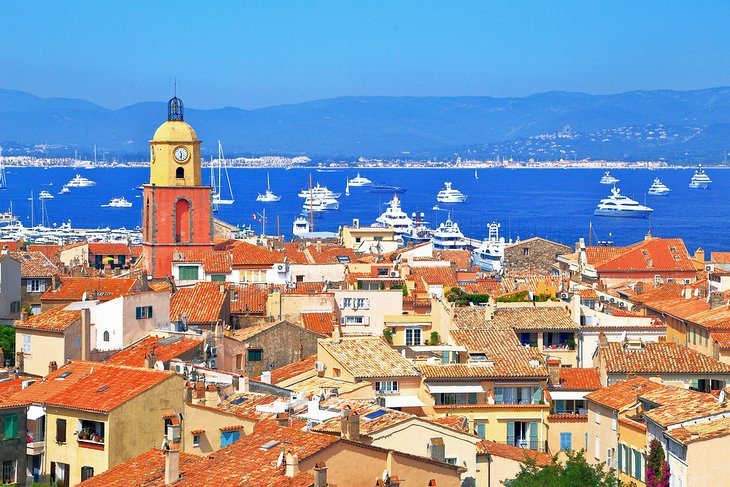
(637, 464)
(218, 278)
(533, 435)
(149, 311)
(481, 430)
(10, 423)
(499, 396)
(445, 357)
(620, 457)
(536, 395)
(472, 398)
(511, 433)
(188, 273)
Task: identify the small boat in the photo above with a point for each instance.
(476, 174)
(64, 190)
(360, 181)
(450, 195)
(618, 205)
(700, 180)
(118, 203)
(80, 182)
(386, 188)
(659, 189)
(608, 179)
(268, 196)
(45, 195)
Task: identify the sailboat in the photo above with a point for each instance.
(3, 181)
(476, 174)
(268, 196)
(222, 166)
(347, 188)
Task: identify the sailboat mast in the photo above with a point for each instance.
(220, 162)
(311, 208)
(94, 154)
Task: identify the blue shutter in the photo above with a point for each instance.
(498, 395)
(511, 433)
(481, 430)
(472, 398)
(444, 357)
(536, 395)
(533, 436)
(620, 457)
(229, 437)
(566, 441)
(637, 464)
(138, 312)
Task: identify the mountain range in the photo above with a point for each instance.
(677, 126)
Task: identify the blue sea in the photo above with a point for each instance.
(554, 203)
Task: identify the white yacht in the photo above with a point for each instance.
(64, 190)
(450, 195)
(80, 182)
(619, 205)
(320, 203)
(45, 195)
(359, 181)
(394, 217)
(300, 226)
(448, 236)
(489, 256)
(659, 189)
(608, 179)
(268, 196)
(118, 203)
(318, 191)
(700, 180)
(419, 232)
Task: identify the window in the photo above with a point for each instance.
(455, 398)
(354, 320)
(597, 445)
(239, 361)
(106, 336)
(196, 440)
(609, 458)
(451, 460)
(598, 416)
(614, 421)
(518, 395)
(10, 426)
(60, 430)
(180, 173)
(228, 437)
(9, 472)
(525, 252)
(35, 309)
(188, 272)
(36, 286)
(657, 279)
(566, 441)
(382, 272)
(255, 354)
(481, 429)
(143, 312)
(522, 434)
(218, 278)
(86, 473)
(387, 387)
(26, 344)
(413, 336)
(569, 406)
(355, 303)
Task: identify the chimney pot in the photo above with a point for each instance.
(172, 464)
(23, 316)
(320, 475)
(52, 366)
(282, 419)
(292, 465)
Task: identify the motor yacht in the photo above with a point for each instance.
(618, 205)
(659, 189)
(80, 182)
(118, 203)
(448, 236)
(489, 256)
(318, 191)
(450, 195)
(608, 179)
(300, 226)
(268, 196)
(386, 188)
(394, 217)
(64, 190)
(419, 232)
(45, 195)
(322, 203)
(359, 181)
(700, 180)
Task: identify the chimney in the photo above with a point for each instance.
(188, 397)
(437, 449)
(553, 366)
(716, 300)
(19, 362)
(699, 255)
(23, 316)
(266, 377)
(647, 236)
(336, 333)
(282, 419)
(344, 418)
(211, 396)
(244, 385)
(55, 283)
(292, 465)
(52, 366)
(319, 246)
(172, 464)
(144, 281)
(85, 333)
(151, 359)
(432, 483)
(602, 340)
(393, 481)
(320, 475)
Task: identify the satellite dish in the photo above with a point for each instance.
(385, 475)
(280, 460)
(722, 396)
(159, 365)
(84, 296)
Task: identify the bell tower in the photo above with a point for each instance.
(177, 207)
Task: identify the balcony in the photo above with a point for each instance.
(34, 448)
(526, 444)
(92, 442)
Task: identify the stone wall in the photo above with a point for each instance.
(534, 255)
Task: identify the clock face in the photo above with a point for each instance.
(181, 154)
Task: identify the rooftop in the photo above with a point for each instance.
(213, 261)
(35, 264)
(202, 303)
(706, 430)
(512, 452)
(91, 288)
(164, 348)
(368, 357)
(249, 298)
(577, 379)
(322, 323)
(533, 318)
(55, 319)
(657, 358)
(623, 394)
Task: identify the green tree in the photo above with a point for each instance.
(7, 342)
(435, 339)
(388, 335)
(575, 472)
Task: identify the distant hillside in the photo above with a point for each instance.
(545, 125)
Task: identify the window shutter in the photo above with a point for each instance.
(499, 395)
(536, 395)
(138, 312)
(11, 426)
(481, 430)
(511, 433)
(620, 457)
(444, 358)
(472, 398)
(533, 435)
(60, 430)
(42, 285)
(29, 286)
(637, 465)
(149, 311)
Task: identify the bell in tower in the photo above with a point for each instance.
(175, 110)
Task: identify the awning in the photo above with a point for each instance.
(455, 388)
(35, 412)
(403, 402)
(568, 394)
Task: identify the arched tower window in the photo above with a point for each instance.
(147, 221)
(106, 336)
(180, 173)
(182, 221)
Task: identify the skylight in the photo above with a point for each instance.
(376, 414)
(269, 445)
(343, 259)
(102, 388)
(239, 400)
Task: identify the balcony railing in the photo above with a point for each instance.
(526, 444)
(92, 441)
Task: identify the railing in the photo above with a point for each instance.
(93, 442)
(526, 444)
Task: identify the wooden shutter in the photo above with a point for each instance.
(511, 433)
(533, 435)
(499, 395)
(60, 430)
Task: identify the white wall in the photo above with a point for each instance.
(119, 318)
(318, 272)
(588, 339)
(380, 304)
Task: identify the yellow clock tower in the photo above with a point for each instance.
(175, 151)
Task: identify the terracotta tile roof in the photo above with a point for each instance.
(202, 303)
(575, 379)
(432, 276)
(323, 323)
(253, 256)
(310, 288)
(505, 357)
(512, 452)
(35, 264)
(330, 255)
(652, 255)
(675, 405)
(722, 339)
(388, 418)
(55, 319)
(12, 245)
(368, 358)
(243, 334)
(461, 259)
(249, 298)
(147, 469)
(103, 289)
(135, 250)
(470, 317)
(213, 261)
(165, 349)
(108, 248)
(484, 286)
(720, 257)
(84, 388)
(532, 318)
(315, 385)
(528, 281)
(658, 358)
(623, 394)
(455, 422)
(706, 430)
(49, 250)
(9, 388)
(292, 370)
(160, 285)
(293, 254)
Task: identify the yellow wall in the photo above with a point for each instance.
(211, 420)
(633, 437)
(285, 306)
(163, 165)
(557, 425)
(707, 462)
(46, 347)
(350, 234)
(401, 322)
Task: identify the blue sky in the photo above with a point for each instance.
(254, 54)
